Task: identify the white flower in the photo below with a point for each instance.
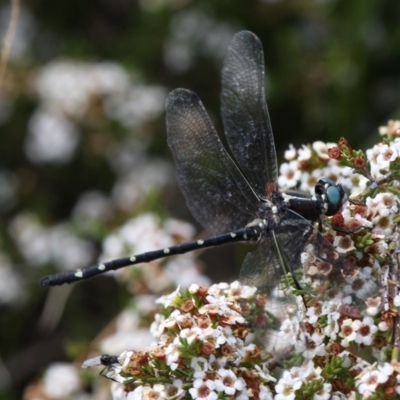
(290, 174)
(309, 179)
(304, 153)
(317, 348)
(291, 153)
(137, 105)
(322, 149)
(368, 380)
(265, 392)
(391, 128)
(386, 155)
(324, 393)
(264, 373)
(11, 288)
(177, 389)
(155, 392)
(385, 369)
(332, 326)
(61, 380)
(70, 86)
(58, 244)
(366, 331)
(51, 137)
(362, 285)
(383, 326)
(343, 244)
(373, 305)
(172, 355)
(348, 331)
(229, 382)
(236, 290)
(194, 288)
(188, 334)
(203, 390)
(312, 316)
(363, 221)
(170, 300)
(287, 386)
(200, 366)
(288, 332)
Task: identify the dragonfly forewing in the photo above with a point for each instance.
(244, 111)
(216, 192)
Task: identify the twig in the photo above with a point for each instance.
(5, 52)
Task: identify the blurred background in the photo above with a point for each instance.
(85, 172)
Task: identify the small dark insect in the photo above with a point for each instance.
(105, 360)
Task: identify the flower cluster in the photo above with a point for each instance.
(349, 297)
(327, 333)
(145, 232)
(201, 350)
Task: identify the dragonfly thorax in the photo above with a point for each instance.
(328, 199)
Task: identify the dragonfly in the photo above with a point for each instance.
(235, 193)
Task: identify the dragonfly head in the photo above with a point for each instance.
(332, 194)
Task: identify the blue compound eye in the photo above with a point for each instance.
(333, 195)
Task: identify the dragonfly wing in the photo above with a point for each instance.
(92, 362)
(244, 111)
(216, 192)
(262, 267)
(327, 274)
(274, 320)
(278, 253)
(323, 270)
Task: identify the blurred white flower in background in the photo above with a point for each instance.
(178, 56)
(11, 290)
(137, 105)
(51, 137)
(68, 89)
(69, 251)
(137, 235)
(69, 86)
(145, 233)
(128, 331)
(92, 206)
(128, 154)
(183, 271)
(289, 174)
(58, 244)
(133, 187)
(61, 380)
(31, 238)
(195, 33)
